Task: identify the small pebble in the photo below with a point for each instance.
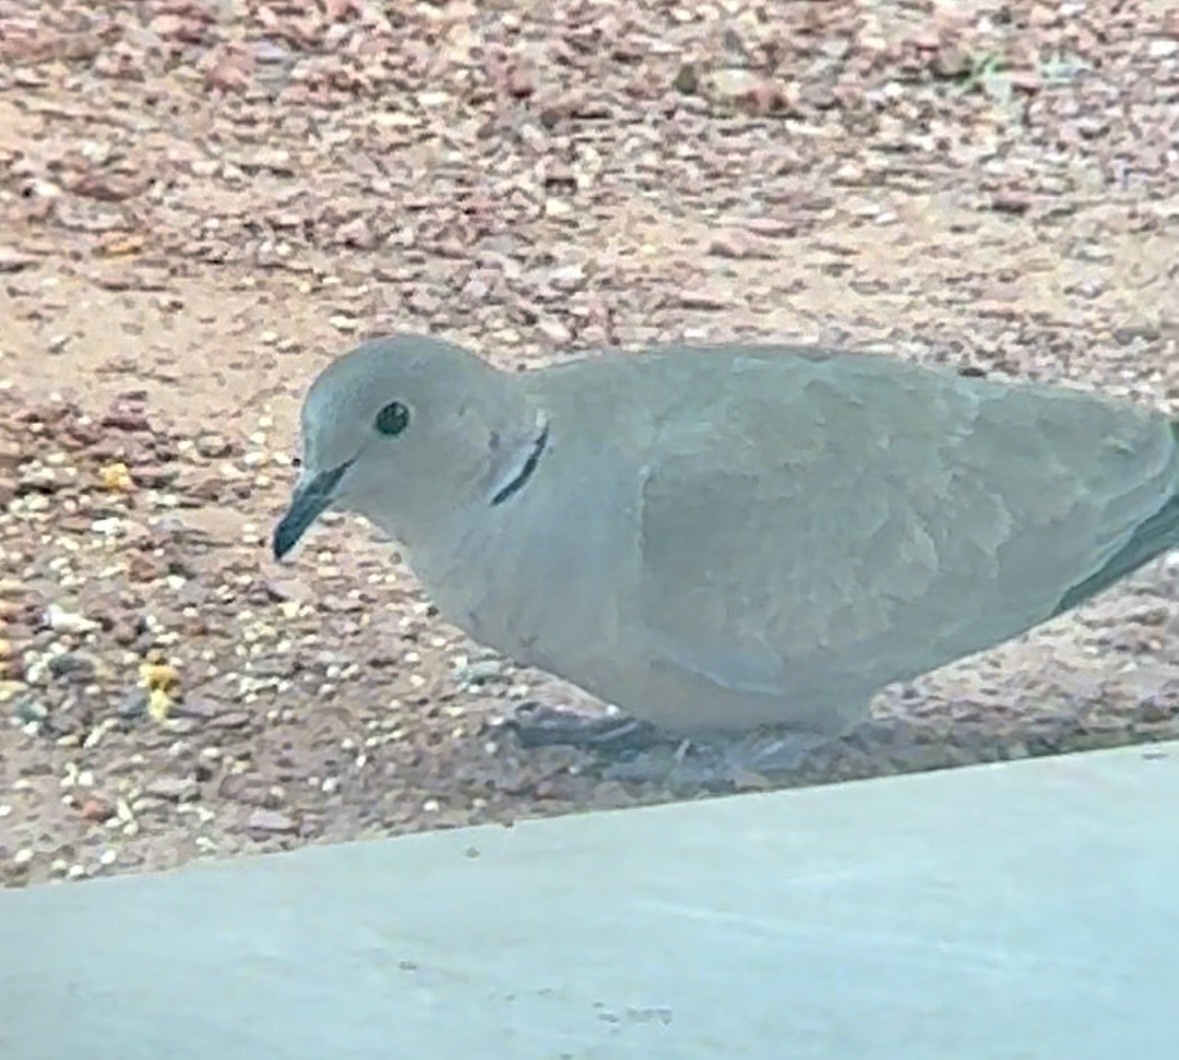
(62, 621)
(263, 820)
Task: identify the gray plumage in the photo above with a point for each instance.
(719, 538)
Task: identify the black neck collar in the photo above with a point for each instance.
(526, 471)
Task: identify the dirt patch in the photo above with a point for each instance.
(203, 202)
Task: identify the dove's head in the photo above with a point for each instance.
(410, 432)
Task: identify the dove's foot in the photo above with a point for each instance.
(751, 762)
(636, 752)
(775, 754)
(539, 726)
(682, 767)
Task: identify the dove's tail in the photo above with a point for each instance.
(1158, 534)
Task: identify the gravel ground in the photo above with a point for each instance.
(202, 201)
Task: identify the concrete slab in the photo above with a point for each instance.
(1019, 911)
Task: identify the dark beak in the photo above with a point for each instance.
(307, 505)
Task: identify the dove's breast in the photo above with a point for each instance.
(540, 576)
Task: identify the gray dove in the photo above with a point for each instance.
(717, 539)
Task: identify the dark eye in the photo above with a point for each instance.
(392, 419)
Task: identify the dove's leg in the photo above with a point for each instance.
(770, 754)
(636, 752)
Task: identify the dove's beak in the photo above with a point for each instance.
(311, 498)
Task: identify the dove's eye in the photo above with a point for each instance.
(392, 419)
